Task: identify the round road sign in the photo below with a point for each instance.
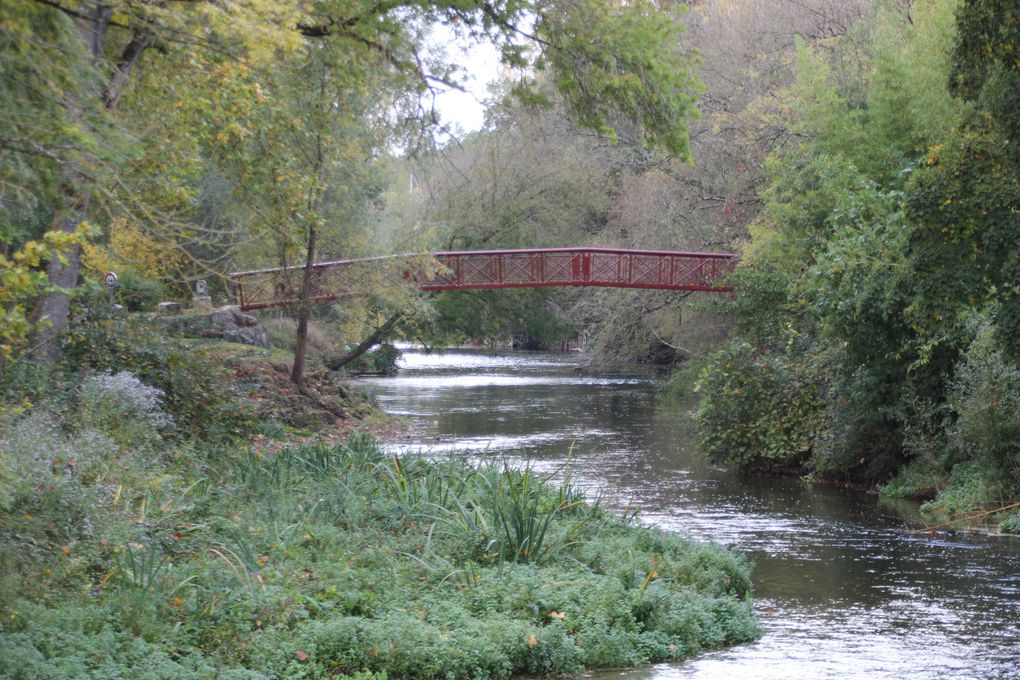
(110, 279)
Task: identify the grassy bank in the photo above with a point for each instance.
(131, 549)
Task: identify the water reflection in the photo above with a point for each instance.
(844, 588)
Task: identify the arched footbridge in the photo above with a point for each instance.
(481, 269)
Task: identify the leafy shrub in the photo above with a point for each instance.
(757, 410)
(972, 486)
(861, 437)
(967, 455)
(136, 292)
(985, 395)
(122, 406)
(921, 478)
(43, 465)
(1011, 524)
(680, 386)
(196, 391)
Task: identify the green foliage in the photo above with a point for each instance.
(972, 487)
(985, 397)
(985, 67)
(21, 282)
(964, 207)
(857, 285)
(526, 317)
(1011, 524)
(522, 515)
(623, 59)
(336, 560)
(758, 410)
(44, 70)
(859, 291)
(919, 479)
(195, 396)
(965, 201)
(883, 95)
(680, 386)
(882, 270)
(79, 641)
(767, 308)
(137, 293)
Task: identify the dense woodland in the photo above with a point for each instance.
(860, 155)
(876, 339)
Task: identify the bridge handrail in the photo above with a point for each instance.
(483, 269)
(466, 253)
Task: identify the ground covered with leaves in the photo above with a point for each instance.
(133, 548)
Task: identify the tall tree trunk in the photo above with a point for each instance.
(54, 312)
(55, 308)
(297, 374)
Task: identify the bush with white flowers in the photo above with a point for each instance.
(124, 407)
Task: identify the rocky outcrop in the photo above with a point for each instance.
(226, 323)
(169, 308)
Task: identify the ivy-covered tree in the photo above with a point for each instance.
(965, 203)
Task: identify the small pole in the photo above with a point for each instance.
(110, 279)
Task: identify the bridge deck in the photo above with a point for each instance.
(480, 269)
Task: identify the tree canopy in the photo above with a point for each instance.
(204, 126)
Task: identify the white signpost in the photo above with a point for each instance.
(110, 279)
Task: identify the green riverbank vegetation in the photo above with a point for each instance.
(878, 305)
(142, 535)
(162, 513)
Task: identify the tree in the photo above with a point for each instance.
(965, 202)
(607, 61)
(828, 292)
(305, 166)
(81, 34)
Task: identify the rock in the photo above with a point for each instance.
(227, 323)
(201, 302)
(169, 308)
(117, 310)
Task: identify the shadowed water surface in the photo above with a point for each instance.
(843, 588)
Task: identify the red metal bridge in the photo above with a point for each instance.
(468, 270)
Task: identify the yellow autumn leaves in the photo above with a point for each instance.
(22, 279)
(130, 246)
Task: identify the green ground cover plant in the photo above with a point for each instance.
(131, 550)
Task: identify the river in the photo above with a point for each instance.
(844, 588)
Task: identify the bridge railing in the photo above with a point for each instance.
(471, 270)
(580, 267)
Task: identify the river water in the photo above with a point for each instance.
(844, 588)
